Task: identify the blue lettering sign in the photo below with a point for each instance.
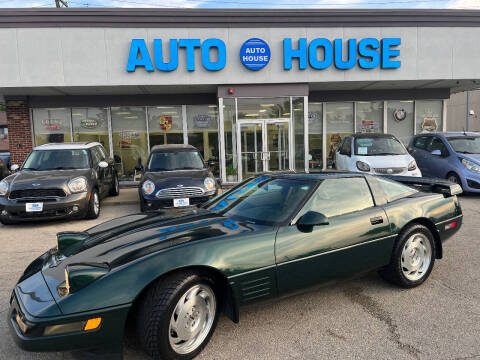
(300, 53)
(313, 53)
(162, 66)
(388, 53)
(255, 54)
(222, 54)
(190, 45)
(138, 47)
(351, 56)
(368, 49)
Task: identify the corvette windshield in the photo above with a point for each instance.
(42, 160)
(263, 200)
(178, 160)
(375, 146)
(465, 145)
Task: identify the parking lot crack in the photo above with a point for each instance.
(374, 309)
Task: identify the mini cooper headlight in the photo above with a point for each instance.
(363, 166)
(470, 165)
(3, 188)
(78, 184)
(148, 187)
(209, 184)
(412, 166)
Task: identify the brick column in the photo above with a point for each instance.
(19, 130)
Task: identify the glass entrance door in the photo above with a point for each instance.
(263, 145)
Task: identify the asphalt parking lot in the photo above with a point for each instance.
(363, 318)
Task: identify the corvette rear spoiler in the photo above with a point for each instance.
(429, 184)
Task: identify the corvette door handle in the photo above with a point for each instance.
(376, 220)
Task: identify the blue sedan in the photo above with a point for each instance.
(450, 155)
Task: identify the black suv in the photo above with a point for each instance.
(176, 176)
(58, 181)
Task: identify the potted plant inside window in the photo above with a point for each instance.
(231, 173)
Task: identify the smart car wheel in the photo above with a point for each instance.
(115, 187)
(93, 205)
(413, 257)
(177, 316)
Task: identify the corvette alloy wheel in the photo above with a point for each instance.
(416, 257)
(192, 319)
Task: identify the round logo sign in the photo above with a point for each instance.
(400, 115)
(255, 54)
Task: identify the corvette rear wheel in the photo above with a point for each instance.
(413, 257)
(177, 316)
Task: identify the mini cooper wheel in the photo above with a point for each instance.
(93, 205)
(413, 257)
(115, 187)
(177, 316)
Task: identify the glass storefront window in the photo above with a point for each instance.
(165, 125)
(263, 108)
(315, 135)
(229, 122)
(202, 125)
(299, 127)
(91, 124)
(428, 116)
(369, 116)
(129, 141)
(339, 124)
(51, 125)
(400, 120)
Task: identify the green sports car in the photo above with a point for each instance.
(171, 272)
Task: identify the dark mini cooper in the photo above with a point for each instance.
(171, 272)
(58, 181)
(175, 176)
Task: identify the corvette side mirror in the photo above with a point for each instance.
(311, 219)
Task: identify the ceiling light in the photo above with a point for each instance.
(267, 105)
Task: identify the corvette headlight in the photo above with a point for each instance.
(3, 188)
(470, 165)
(209, 184)
(363, 166)
(78, 184)
(412, 166)
(148, 187)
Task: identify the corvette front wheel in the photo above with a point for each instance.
(177, 316)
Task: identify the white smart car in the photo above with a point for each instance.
(381, 154)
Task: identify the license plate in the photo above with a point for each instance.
(33, 207)
(21, 324)
(181, 202)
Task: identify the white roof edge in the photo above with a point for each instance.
(67, 146)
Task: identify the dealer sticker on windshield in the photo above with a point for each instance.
(34, 207)
(181, 202)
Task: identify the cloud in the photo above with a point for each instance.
(463, 4)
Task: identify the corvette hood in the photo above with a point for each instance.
(123, 240)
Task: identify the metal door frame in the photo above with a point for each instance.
(263, 123)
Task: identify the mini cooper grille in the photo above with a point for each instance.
(390, 171)
(36, 193)
(180, 192)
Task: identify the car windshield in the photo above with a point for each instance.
(57, 160)
(374, 146)
(465, 144)
(264, 200)
(178, 160)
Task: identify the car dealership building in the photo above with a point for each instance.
(253, 90)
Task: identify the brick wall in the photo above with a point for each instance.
(19, 130)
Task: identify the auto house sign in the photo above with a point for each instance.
(89, 123)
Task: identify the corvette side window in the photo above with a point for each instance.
(394, 190)
(341, 196)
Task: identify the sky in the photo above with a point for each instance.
(256, 4)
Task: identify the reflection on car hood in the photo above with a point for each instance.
(386, 161)
(128, 238)
(44, 179)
